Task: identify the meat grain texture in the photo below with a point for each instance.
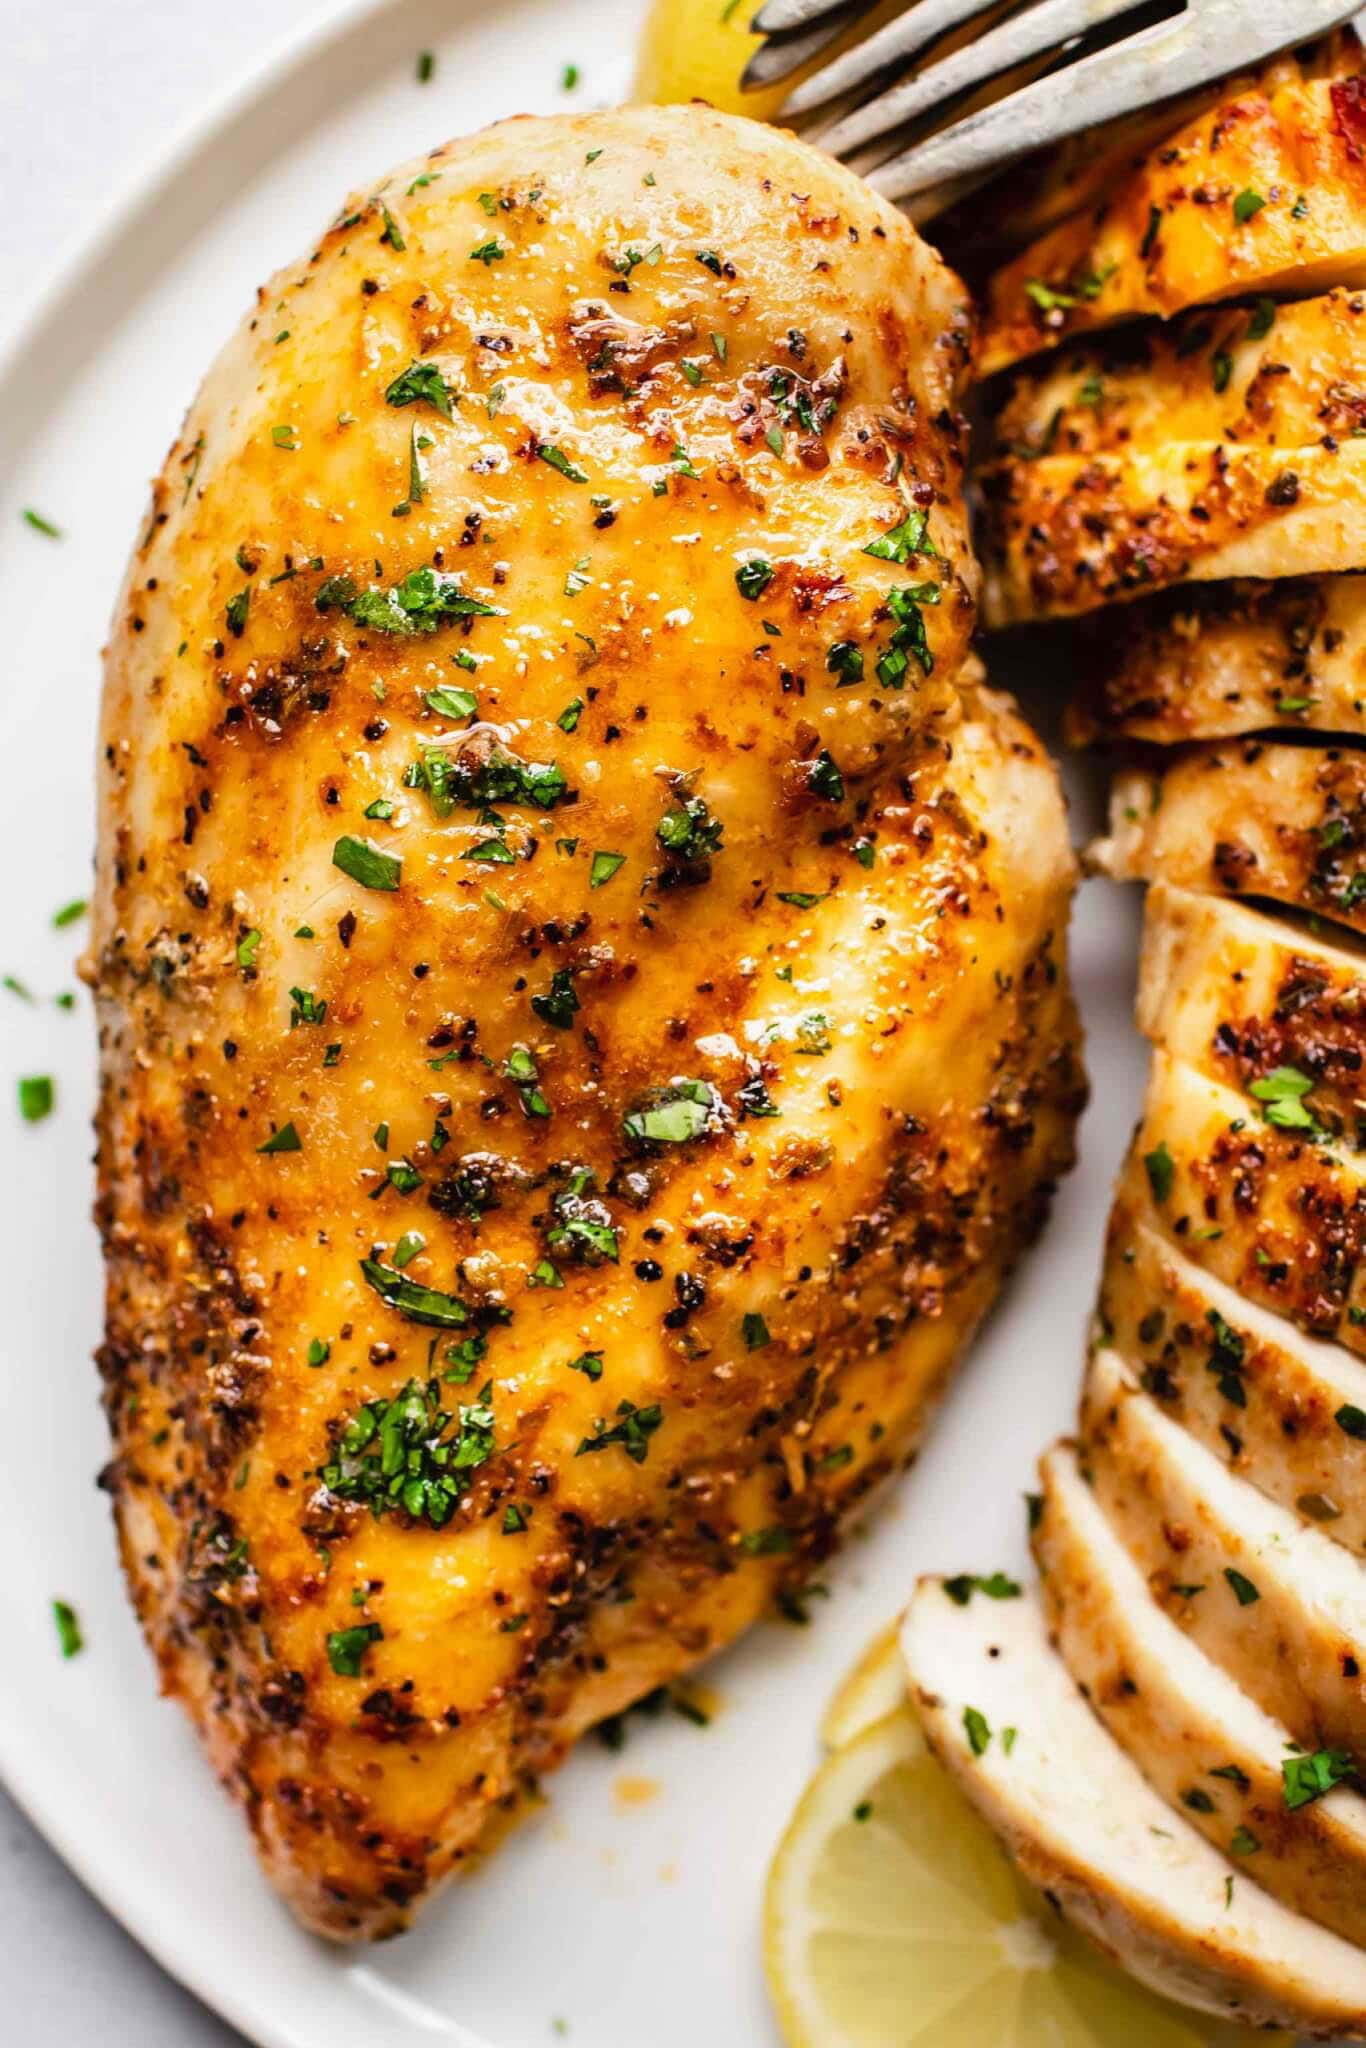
(580, 964)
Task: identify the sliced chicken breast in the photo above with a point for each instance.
(1065, 533)
(1210, 661)
(1244, 997)
(1264, 376)
(1267, 1597)
(1284, 1410)
(1260, 193)
(1250, 818)
(1202, 1742)
(1279, 1216)
(1082, 1823)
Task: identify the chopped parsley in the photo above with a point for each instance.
(347, 1647)
(604, 866)
(977, 1729)
(908, 637)
(69, 913)
(689, 831)
(421, 384)
(582, 1229)
(996, 1586)
(1247, 204)
(559, 1005)
(1282, 1093)
(448, 701)
(824, 779)
(1307, 1778)
(68, 1628)
(1244, 1590)
(753, 577)
(845, 660)
(409, 1453)
(900, 542)
(367, 863)
(631, 1433)
(415, 1303)
(1161, 1170)
(425, 600)
(680, 1113)
(557, 459)
(39, 524)
(286, 1139)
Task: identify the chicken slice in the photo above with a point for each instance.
(579, 960)
(1255, 818)
(1063, 534)
(1211, 661)
(1083, 1824)
(1284, 1410)
(1193, 452)
(1262, 376)
(1269, 1598)
(1205, 1745)
(1263, 193)
(1278, 1215)
(1242, 996)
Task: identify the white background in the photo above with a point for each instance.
(87, 89)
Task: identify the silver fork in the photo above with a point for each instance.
(878, 88)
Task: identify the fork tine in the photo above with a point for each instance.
(780, 17)
(781, 55)
(1040, 28)
(896, 42)
(1152, 65)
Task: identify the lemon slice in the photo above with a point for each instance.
(876, 1686)
(892, 1917)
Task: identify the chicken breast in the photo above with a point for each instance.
(1221, 446)
(1211, 661)
(1279, 1215)
(1084, 1825)
(1261, 376)
(1261, 193)
(1207, 1748)
(1257, 818)
(1269, 1599)
(579, 959)
(1284, 1410)
(1263, 1004)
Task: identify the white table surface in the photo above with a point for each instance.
(86, 87)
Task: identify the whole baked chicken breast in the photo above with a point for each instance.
(580, 962)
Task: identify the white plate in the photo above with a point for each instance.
(634, 1924)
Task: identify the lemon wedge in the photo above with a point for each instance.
(875, 1687)
(697, 52)
(697, 49)
(893, 1918)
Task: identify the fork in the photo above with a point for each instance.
(1096, 69)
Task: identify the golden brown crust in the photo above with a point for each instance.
(711, 1144)
(1223, 659)
(1064, 537)
(1266, 192)
(1254, 818)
